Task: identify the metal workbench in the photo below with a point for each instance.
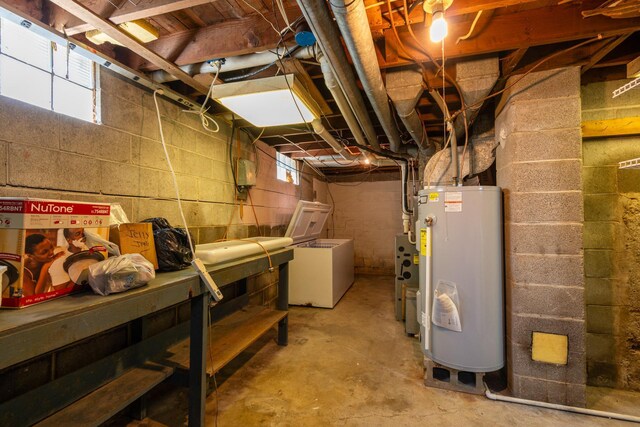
(39, 329)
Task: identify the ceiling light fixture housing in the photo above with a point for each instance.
(272, 101)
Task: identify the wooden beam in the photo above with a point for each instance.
(512, 31)
(612, 127)
(511, 62)
(129, 12)
(229, 38)
(457, 8)
(633, 68)
(293, 66)
(120, 36)
(597, 57)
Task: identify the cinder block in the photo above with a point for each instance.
(168, 110)
(558, 301)
(563, 175)
(599, 235)
(525, 324)
(601, 207)
(556, 83)
(183, 137)
(600, 179)
(3, 162)
(520, 359)
(551, 144)
(549, 391)
(117, 85)
(120, 114)
(187, 185)
(545, 238)
(561, 270)
(602, 374)
(535, 115)
(221, 171)
(608, 320)
(151, 208)
(149, 126)
(125, 179)
(28, 124)
(213, 148)
(629, 179)
(97, 141)
(149, 153)
(598, 95)
(606, 291)
(610, 151)
(90, 350)
(598, 114)
(30, 166)
(215, 191)
(210, 234)
(193, 164)
(601, 348)
(566, 206)
(598, 263)
(470, 69)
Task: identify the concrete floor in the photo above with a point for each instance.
(354, 366)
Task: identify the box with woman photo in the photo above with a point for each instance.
(47, 247)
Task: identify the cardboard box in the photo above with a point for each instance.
(135, 238)
(43, 245)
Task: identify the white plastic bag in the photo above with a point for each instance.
(445, 312)
(119, 274)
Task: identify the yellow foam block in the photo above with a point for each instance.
(550, 348)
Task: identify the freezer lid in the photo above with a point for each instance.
(308, 221)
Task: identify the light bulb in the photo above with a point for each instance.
(367, 161)
(439, 29)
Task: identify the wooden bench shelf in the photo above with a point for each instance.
(105, 402)
(229, 337)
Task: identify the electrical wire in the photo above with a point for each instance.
(203, 109)
(173, 174)
(473, 26)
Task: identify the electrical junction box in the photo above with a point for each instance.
(246, 173)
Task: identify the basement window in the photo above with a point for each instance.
(287, 169)
(40, 72)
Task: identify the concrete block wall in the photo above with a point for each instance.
(539, 167)
(48, 155)
(371, 214)
(612, 242)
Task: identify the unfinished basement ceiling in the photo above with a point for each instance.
(600, 36)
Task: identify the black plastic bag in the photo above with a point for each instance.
(172, 245)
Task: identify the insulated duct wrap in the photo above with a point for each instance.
(352, 20)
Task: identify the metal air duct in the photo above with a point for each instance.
(352, 20)
(319, 20)
(405, 89)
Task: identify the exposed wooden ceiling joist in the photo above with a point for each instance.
(458, 7)
(130, 11)
(598, 56)
(230, 38)
(120, 36)
(512, 31)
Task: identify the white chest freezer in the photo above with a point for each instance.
(322, 269)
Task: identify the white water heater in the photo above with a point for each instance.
(461, 296)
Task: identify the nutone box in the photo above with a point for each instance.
(43, 245)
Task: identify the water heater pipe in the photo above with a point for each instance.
(427, 286)
(584, 411)
(323, 133)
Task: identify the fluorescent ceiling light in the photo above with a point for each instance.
(273, 101)
(139, 29)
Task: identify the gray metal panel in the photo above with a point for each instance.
(406, 269)
(467, 250)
